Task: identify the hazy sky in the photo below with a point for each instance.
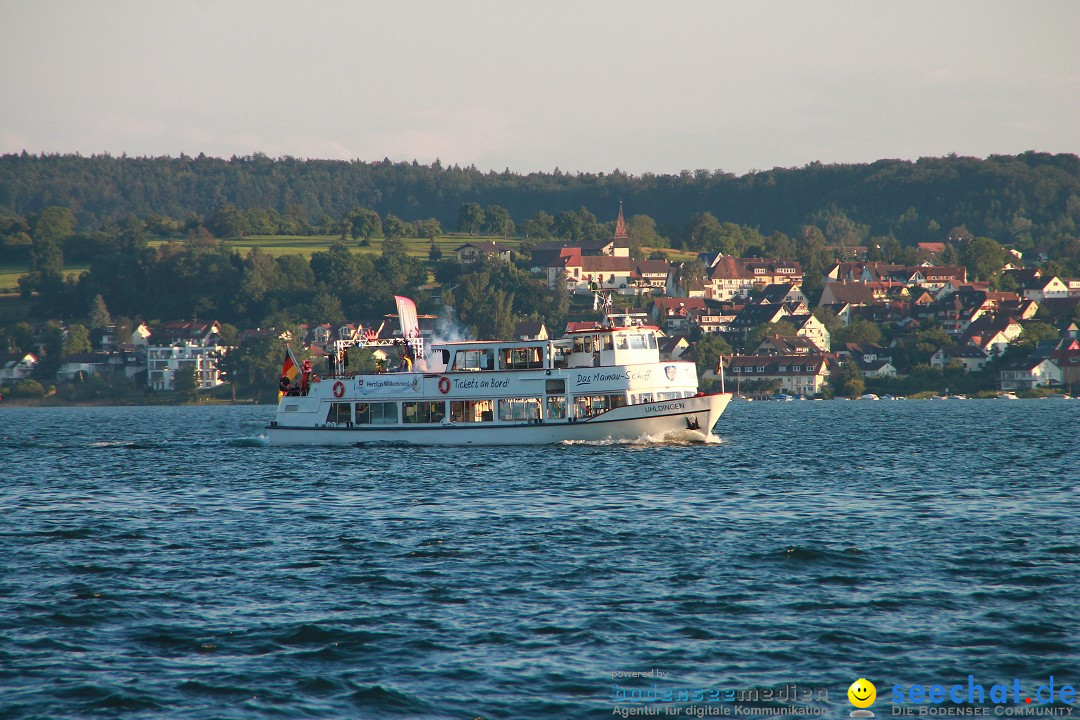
(655, 86)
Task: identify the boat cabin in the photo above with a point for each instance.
(599, 347)
(612, 346)
(488, 355)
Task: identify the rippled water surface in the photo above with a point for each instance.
(165, 562)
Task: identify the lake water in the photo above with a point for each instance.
(167, 563)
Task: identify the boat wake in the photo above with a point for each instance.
(674, 438)
(258, 441)
(125, 445)
(255, 441)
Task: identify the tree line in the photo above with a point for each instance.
(1026, 200)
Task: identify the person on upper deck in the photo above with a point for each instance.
(305, 377)
(406, 364)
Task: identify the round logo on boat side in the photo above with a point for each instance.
(444, 385)
(339, 389)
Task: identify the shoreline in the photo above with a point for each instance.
(49, 402)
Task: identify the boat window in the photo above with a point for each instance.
(637, 342)
(556, 408)
(474, 360)
(555, 387)
(339, 413)
(622, 343)
(560, 360)
(579, 345)
(668, 395)
(520, 358)
(589, 405)
(423, 412)
(651, 338)
(377, 413)
(519, 409)
(472, 410)
(642, 398)
(606, 342)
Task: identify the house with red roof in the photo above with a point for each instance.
(651, 275)
(729, 277)
(1067, 358)
(993, 333)
(672, 314)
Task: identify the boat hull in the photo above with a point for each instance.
(685, 419)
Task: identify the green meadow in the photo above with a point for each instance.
(9, 278)
(10, 274)
(278, 245)
(305, 245)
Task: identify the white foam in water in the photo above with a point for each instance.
(676, 437)
(259, 441)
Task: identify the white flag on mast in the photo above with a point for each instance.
(410, 326)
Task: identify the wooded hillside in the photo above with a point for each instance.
(1023, 200)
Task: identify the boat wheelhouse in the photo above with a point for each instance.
(593, 384)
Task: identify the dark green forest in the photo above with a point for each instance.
(1028, 200)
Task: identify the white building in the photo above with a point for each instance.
(971, 357)
(15, 367)
(796, 374)
(1046, 288)
(812, 329)
(164, 361)
(1030, 373)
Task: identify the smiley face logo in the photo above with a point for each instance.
(862, 693)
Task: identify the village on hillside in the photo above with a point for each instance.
(744, 318)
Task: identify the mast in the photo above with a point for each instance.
(602, 302)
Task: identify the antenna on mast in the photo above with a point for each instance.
(602, 302)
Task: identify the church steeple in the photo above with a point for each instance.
(620, 226)
(620, 242)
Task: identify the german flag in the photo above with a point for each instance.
(289, 369)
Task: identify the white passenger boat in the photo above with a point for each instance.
(603, 383)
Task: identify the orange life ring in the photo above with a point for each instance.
(444, 385)
(339, 389)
